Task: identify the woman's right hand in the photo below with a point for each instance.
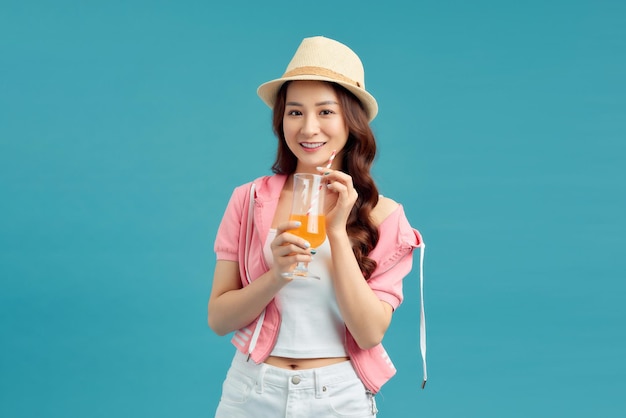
(288, 250)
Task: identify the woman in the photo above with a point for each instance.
(311, 347)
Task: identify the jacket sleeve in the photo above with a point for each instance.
(394, 257)
(229, 232)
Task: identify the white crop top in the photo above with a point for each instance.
(311, 325)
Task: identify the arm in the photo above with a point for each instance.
(366, 316)
(232, 306)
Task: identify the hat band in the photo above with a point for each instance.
(310, 70)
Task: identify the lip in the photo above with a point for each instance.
(319, 146)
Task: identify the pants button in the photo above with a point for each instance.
(295, 380)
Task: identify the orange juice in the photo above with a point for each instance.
(312, 228)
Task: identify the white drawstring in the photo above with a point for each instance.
(248, 233)
(422, 315)
(259, 323)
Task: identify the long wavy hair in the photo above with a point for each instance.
(358, 156)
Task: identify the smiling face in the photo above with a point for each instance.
(313, 124)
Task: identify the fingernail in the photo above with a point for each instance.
(298, 223)
(313, 252)
(307, 244)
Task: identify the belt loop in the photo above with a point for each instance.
(371, 395)
(260, 378)
(319, 388)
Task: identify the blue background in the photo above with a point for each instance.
(125, 125)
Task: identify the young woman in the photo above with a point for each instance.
(309, 347)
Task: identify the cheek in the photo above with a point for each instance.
(340, 130)
(288, 130)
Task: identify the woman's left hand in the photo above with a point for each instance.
(339, 184)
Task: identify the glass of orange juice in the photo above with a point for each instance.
(308, 208)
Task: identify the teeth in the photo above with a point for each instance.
(312, 145)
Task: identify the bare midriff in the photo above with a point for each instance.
(303, 363)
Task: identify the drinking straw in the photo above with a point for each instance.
(317, 193)
(330, 160)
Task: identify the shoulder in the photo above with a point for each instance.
(396, 238)
(383, 209)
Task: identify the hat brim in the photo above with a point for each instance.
(269, 90)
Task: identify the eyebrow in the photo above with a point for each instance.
(324, 103)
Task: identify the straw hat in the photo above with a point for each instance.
(320, 58)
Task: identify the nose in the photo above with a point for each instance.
(310, 126)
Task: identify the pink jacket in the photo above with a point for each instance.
(240, 238)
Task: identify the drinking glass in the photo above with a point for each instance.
(307, 207)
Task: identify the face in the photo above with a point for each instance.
(313, 124)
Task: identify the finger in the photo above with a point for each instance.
(294, 244)
(294, 259)
(289, 249)
(338, 181)
(345, 196)
(336, 175)
(287, 226)
(340, 188)
(289, 262)
(324, 171)
(284, 238)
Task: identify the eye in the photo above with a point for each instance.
(326, 112)
(293, 113)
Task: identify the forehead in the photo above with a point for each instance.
(301, 90)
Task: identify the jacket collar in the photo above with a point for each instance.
(268, 188)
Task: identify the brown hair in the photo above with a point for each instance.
(358, 156)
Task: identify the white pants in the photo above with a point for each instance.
(263, 391)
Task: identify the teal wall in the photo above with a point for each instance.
(125, 125)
